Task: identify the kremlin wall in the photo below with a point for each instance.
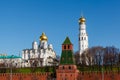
(66, 69)
(46, 76)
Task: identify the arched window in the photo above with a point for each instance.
(68, 46)
(69, 67)
(84, 38)
(63, 67)
(65, 47)
(81, 38)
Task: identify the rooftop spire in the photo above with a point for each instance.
(82, 14)
(67, 41)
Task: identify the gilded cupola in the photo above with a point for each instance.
(82, 20)
(43, 37)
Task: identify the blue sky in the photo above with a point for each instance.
(23, 21)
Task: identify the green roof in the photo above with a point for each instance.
(67, 41)
(67, 57)
(9, 57)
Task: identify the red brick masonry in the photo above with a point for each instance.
(99, 76)
(19, 76)
(44, 76)
(67, 72)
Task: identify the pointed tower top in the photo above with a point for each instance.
(67, 41)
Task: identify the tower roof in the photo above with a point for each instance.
(67, 41)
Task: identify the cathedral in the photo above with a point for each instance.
(40, 55)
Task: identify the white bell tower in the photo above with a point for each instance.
(83, 37)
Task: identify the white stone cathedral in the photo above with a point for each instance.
(83, 36)
(40, 55)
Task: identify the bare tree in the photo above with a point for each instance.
(77, 58)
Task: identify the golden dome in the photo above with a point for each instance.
(82, 20)
(43, 37)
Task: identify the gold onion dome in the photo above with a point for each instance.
(43, 37)
(82, 20)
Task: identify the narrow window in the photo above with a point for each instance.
(63, 67)
(84, 38)
(68, 46)
(65, 47)
(69, 67)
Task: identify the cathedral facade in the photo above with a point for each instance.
(39, 55)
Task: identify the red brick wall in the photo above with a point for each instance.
(19, 76)
(99, 76)
(43, 76)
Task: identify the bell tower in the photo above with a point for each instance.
(83, 36)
